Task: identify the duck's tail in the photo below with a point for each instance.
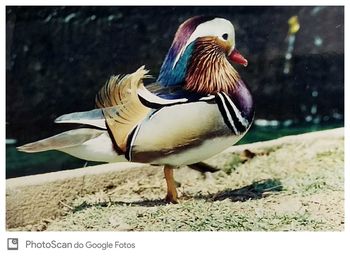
(63, 140)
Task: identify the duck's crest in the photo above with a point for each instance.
(173, 69)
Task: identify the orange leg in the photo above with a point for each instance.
(171, 196)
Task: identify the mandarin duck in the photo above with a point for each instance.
(198, 106)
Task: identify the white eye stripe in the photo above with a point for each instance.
(216, 27)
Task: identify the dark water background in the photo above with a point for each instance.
(58, 57)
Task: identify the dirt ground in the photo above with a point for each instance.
(296, 186)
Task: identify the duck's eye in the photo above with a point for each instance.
(225, 36)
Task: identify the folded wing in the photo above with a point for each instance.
(121, 105)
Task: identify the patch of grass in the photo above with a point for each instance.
(297, 221)
(316, 186)
(192, 215)
(332, 154)
(234, 162)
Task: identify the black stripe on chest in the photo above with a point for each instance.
(228, 113)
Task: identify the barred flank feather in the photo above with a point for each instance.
(122, 92)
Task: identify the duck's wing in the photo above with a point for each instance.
(121, 106)
(177, 93)
(126, 102)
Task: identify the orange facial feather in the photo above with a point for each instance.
(210, 72)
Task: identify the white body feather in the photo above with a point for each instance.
(99, 149)
(182, 134)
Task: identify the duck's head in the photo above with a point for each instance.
(199, 57)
